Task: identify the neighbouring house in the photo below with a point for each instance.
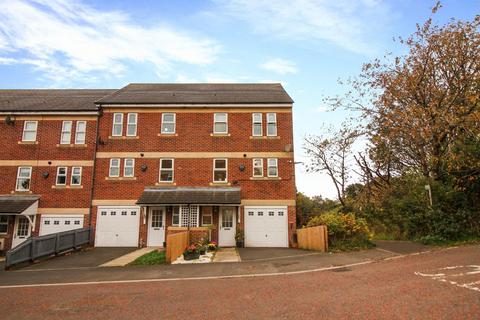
(148, 160)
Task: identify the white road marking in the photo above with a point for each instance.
(444, 277)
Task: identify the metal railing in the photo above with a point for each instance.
(55, 243)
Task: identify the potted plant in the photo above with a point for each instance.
(212, 246)
(239, 237)
(191, 253)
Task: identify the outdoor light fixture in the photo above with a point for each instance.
(9, 120)
(45, 175)
(100, 141)
(143, 167)
(242, 167)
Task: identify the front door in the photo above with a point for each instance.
(156, 227)
(22, 230)
(226, 233)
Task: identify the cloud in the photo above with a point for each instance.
(345, 23)
(71, 40)
(280, 66)
(321, 109)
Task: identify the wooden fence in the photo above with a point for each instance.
(176, 244)
(313, 238)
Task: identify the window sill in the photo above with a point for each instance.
(167, 135)
(264, 137)
(27, 142)
(219, 134)
(123, 137)
(21, 192)
(175, 228)
(71, 145)
(265, 178)
(165, 183)
(66, 187)
(218, 183)
(120, 178)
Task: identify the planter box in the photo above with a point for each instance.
(191, 256)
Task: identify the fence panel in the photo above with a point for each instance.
(176, 244)
(313, 238)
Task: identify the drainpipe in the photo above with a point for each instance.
(99, 115)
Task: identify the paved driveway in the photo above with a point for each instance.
(90, 257)
(255, 254)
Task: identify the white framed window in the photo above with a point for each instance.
(61, 176)
(168, 123)
(220, 170)
(30, 131)
(271, 124)
(175, 216)
(272, 167)
(129, 168)
(258, 167)
(132, 124)
(257, 130)
(80, 132)
(220, 123)
(207, 219)
(189, 216)
(166, 170)
(117, 128)
(3, 224)
(66, 135)
(114, 170)
(76, 179)
(24, 177)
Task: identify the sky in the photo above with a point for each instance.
(307, 45)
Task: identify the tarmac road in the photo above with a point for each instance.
(441, 284)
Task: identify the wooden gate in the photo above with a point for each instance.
(313, 238)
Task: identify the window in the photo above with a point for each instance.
(271, 124)
(80, 131)
(113, 213)
(166, 170)
(67, 222)
(175, 216)
(56, 222)
(133, 213)
(220, 170)
(77, 222)
(271, 213)
(280, 213)
(117, 124)
(124, 213)
(220, 123)
(66, 134)
(30, 131)
(104, 213)
(257, 125)
(260, 213)
(47, 222)
(227, 218)
(129, 168)
(188, 216)
(168, 123)
(207, 219)
(24, 176)
(132, 124)
(272, 169)
(114, 168)
(61, 176)
(3, 224)
(258, 167)
(76, 179)
(157, 219)
(250, 213)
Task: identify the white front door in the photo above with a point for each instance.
(22, 230)
(226, 233)
(156, 227)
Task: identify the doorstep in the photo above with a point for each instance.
(227, 255)
(129, 257)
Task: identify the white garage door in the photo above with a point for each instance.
(266, 227)
(57, 223)
(117, 227)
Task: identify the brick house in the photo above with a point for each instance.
(157, 159)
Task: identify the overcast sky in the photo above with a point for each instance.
(305, 45)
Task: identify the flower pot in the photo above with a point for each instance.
(191, 256)
(203, 251)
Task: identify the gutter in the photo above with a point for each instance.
(99, 115)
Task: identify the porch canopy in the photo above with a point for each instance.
(18, 205)
(190, 195)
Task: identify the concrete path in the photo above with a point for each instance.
(129, 257)
(226, 255)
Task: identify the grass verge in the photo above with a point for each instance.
(441, 242)
(150, 259)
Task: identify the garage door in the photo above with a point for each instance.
(117, 227)
(57, 223)
(266, 227)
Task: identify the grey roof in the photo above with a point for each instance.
(190, 195)
(16, 204)
(38, 100)
(199, 93)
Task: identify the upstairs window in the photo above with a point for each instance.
(272, 169)
(114, 170)
(168, 123)
(76, 179)
(220, 170)
(257, 125)
(30, 131)
(80, 132)
(271, 124)
(258, 167)
(66, 135)
(132, 124)
(24, 176)
(166, 170)
(61, 176)
(129, 168)
(220, 124)
(117, 124)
